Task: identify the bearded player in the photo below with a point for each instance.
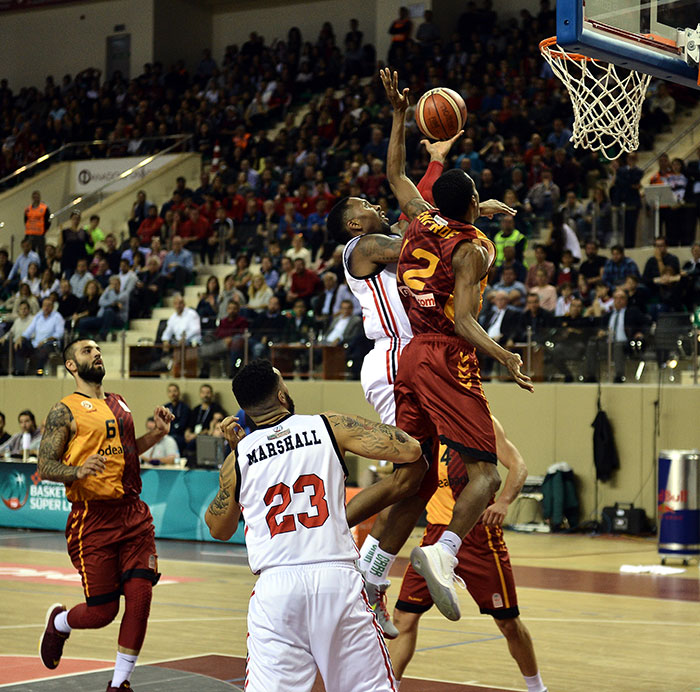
(441, 273)
(90, 445)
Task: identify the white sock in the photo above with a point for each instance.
(60, 622)
(367, 551)
(378, 570)
(123, 668)
(398, 684)
(450, 542)
(534, 683)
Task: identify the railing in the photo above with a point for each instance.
(98, 195)
(63, 153)
(694, 126)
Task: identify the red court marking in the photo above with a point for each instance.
(644, 585)
(232, 668)
(22, 668)
(37, 574)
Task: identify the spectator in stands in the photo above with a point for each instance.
(327, 303)
(127, 276)
(509, 260)
(618, 267)
(74, 243)
(68, 302)
(625, 193)
(572, 335)
(344, 327)
(195, 233)
(509, 235)
(566, 296)
(5, 269)
(291, 224)
(208, 306)
(560, 136)
(20, 267)
(139, 211)
(540, 263)
(164, 452)
(230, 292)
(514, 289)
(316, 227)
(48, 284)
(259, 294)
(246, 231)
(242, 275)
(637, 294)
(40, 339)
(428, 33)
(598, 216)
(299, 325)
(80, 278)
(87, 308)
(269, 273)
(544, 196)
(148, 290)
(149, 227)
(33, 280)
(536, 318)
(654, 275)
(178, 265)
(501, 322)
(299, 250)
(27, 424)
(222, 234)
(572, 210)
(626, 324)
(4, 435)
(545, 291)
(268, 327)
(228, 340)
(13, 337)
(156, 250)
(23, 293)
(37, 220)
(112, 253)
(400, 31)
(567, 272)
(181, 411)
(95, 233)
(601, 302)
(200, 418)
(114, 308)
(305, 283)
(183, 325)
(592, 267)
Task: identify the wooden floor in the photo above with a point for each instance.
(594, 629)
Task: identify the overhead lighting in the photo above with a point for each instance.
(672, 363)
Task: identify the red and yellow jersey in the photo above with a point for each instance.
(425, 276)
(452, 479)
(105, 427)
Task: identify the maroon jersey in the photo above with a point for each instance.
(424, 273)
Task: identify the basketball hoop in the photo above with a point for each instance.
(607, 100)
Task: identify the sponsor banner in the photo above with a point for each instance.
(177, 498)
(87, 176)
(36, 574)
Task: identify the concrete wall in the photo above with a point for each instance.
(553, 424)
(182, 30)
(67, 39)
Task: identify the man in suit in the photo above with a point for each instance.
(536, 317)
(502, 323)
(344, 326)
(626, 323)
(327, 304)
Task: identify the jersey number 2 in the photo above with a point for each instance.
(412, 276)
(288, 522)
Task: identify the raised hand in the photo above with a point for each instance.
(232, 431)
(398, 99)
(493, 206)
(163, 417)
(439, 150)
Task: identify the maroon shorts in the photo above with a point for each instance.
(438, 395)
(483, 563)
(109, 542)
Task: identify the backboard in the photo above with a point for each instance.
(641, 35)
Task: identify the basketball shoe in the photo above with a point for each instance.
(376, 595)
(52, 641)
(126, 685)
(437, 566)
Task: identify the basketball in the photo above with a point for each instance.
(441, 113)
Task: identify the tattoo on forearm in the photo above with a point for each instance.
(53, 445)
(376, 438)
(380, 248)
(220, 504)
(415, 206)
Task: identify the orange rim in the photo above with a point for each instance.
(546, 49)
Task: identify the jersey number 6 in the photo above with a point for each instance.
(288, 523)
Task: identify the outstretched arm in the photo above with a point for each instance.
(510, 457)
(404, 190)
(470, 264)
(373, 440)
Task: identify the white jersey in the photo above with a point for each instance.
(291, 480)
(383, 315)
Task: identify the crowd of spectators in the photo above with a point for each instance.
(264, 196)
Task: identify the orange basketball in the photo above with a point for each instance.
(441, 113)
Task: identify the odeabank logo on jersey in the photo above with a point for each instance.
(111, 450)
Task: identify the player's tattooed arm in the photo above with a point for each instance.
(373, 249)
(57, 434)
(223, 513)
(373, 440)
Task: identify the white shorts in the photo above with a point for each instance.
(377, 377)
(306, 618)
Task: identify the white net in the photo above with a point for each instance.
(607, 100)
